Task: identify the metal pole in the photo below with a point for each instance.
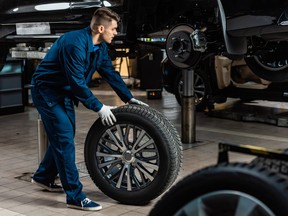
(42, 139)
(188, 108)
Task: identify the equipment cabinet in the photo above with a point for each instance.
(11, 87)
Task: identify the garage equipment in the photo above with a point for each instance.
(42, 139)
(184, 46)
(225, 148)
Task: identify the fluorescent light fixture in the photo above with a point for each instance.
(107, 4)
(15, 9)
(53, 6)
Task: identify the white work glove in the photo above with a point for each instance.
(135, 101)
(107, 117)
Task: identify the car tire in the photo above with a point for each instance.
(201, 89)
(223, 189)
(275, 70)
(135, 160)
(275, 165)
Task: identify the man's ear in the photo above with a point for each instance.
(101, 28)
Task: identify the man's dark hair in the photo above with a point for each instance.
(102, 16)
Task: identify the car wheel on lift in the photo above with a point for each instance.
(137, 158)
(272, 65)
(226, 189)
(201, 89)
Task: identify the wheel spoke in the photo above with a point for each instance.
(101, 154)
(127, 133)
(142, 177)
(120, 132)
(113, 170)
(193, 208)
(119, 182)
(149, 142)
(149, 165)
(129, 186)
(139, 139)
(116, 142)
(101, 165)
(146, 174)
(136, 180)
(199, 92)
(245, 207)
(197, 78)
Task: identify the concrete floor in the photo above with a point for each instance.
(19, 155)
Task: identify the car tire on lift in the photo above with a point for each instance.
(226, 189)
(202, 89)
(267, 70)
(135, 160)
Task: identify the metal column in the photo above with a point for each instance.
(42, 139)
(188, 108)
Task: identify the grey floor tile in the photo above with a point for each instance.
(19, 156)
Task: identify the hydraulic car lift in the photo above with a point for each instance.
(224, 148)
(256, 111)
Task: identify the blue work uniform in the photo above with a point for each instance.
(60, 81)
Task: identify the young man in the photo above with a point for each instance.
(59, 82)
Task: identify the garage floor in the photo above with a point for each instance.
(19, 154)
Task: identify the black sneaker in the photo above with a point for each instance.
(52, 187)
(86, 205)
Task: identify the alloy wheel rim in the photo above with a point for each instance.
(199, 88)
(127, 157)
(271, 64)
(225, 203)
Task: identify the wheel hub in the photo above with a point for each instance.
(128, 156)
(180, 48)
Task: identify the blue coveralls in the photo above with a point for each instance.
(59, 81)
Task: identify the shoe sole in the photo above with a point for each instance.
(46, 187)
(85, 208)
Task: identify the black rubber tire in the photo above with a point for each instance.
(165, 161)
(266, 189)
(202, 89)
(274, 165)
(174, 135)
(271, 66)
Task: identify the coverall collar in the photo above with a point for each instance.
(90, 41)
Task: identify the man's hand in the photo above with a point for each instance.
(107, 117)
(135, 101)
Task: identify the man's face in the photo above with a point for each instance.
(109, 32)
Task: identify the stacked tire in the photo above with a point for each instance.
(136, 159)
(275, 165)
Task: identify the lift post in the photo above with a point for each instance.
(42, 139)
(31, 53)
(188, 107)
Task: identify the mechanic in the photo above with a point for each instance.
(60, 82)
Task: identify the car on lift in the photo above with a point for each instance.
(218, 78)
(237, 48)
(253, 45)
